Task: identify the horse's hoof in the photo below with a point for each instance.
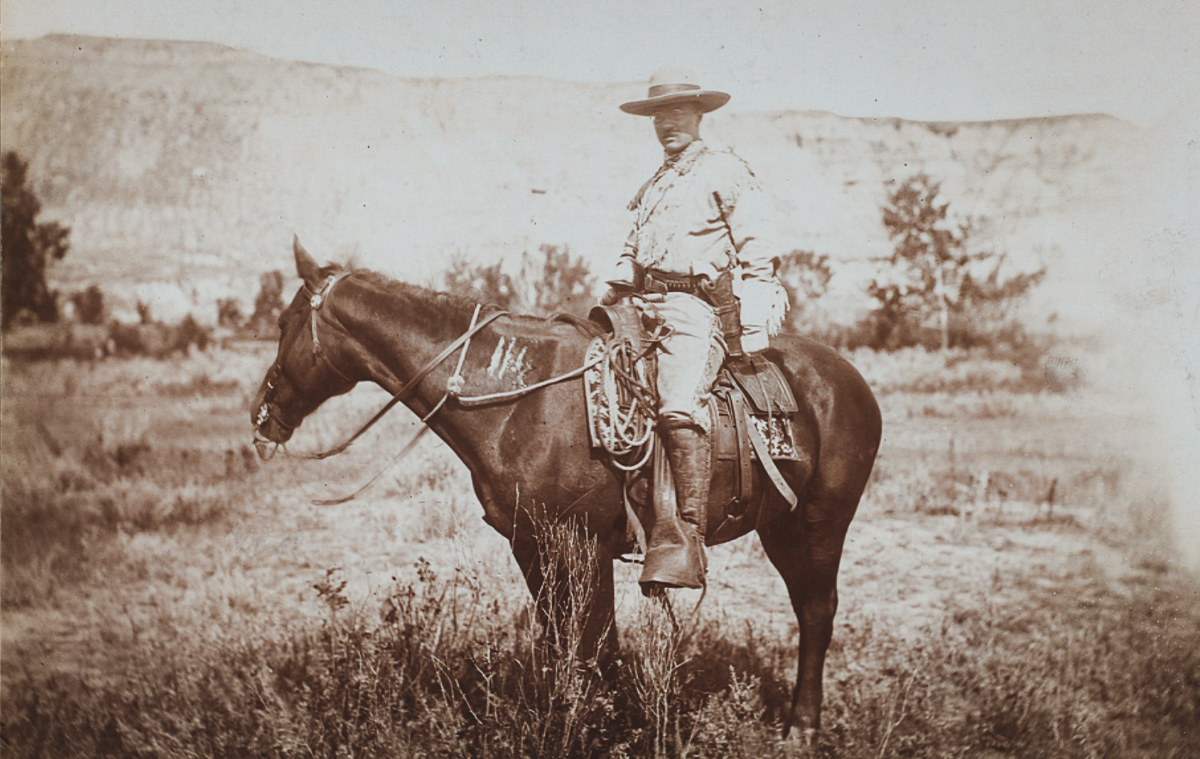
(800, 742)
(808, 737)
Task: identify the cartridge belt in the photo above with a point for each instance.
(649, 280)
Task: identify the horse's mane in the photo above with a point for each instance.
(443, 300)
(443, 308)
(443, 303)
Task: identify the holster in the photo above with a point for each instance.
(719, 294)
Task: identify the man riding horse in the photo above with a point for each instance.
(698, 253)
(699, 236)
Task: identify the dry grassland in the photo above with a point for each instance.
(1007, 589)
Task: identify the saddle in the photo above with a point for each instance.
(752, 406)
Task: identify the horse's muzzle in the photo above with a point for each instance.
(265, 447)
(269, 426)
(269, 432)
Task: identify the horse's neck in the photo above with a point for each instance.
(401, 328)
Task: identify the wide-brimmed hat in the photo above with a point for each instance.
(671, 87)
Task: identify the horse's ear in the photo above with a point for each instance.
(306, 267)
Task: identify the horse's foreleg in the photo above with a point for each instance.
(807, 555)
(574, 598)
(600, 632)
(528, 559)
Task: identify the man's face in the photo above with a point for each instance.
(677, 127)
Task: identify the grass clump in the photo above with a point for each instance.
(63, 505)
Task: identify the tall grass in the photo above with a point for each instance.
(655, 672)
(65, 501)
(440, 669)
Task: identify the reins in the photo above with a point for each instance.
(460, 342)
(454, 386)
(471, 401)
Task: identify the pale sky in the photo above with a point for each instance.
(918, 59)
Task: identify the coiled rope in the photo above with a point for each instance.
(626, 405)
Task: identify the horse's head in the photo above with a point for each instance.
(302, 377)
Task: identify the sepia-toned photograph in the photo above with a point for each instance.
(525, 379)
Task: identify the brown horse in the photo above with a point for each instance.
(530, 457)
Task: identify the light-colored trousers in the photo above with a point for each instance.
(690, 358)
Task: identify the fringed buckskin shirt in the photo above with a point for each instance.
(703, 212)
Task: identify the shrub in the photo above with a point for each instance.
(557, 281)
(268, 304)
(932, 276)
(89, 305)
(486, 283)
(229, 313)
(552, 282)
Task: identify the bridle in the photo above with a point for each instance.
(268, 410)
(318, 299)
(315, 301)
(264, 410)
(454, 385)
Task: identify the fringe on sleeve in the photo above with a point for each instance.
(764, 304)
(777, 307)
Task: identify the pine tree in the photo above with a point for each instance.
(26, 249)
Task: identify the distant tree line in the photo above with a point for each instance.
(933, 291)
(27, 249)
(549, 282)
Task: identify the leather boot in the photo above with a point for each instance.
(675, 547)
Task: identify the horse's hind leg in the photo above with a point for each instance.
(807, 554)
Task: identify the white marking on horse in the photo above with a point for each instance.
(509, 360)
